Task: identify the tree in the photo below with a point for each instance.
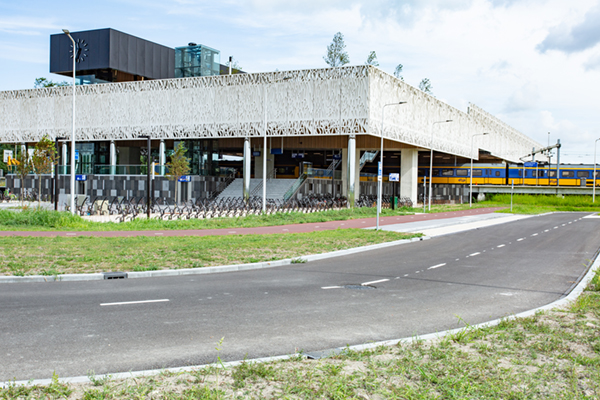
(425, 86)
(178, 166)
(336, 53)
(398, 72)
(23, 167)
(372, 59)
(43, 160)
(44, 83)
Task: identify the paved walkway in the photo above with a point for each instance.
(400, 223)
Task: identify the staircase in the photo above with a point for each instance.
(368, 156)
(276, 188)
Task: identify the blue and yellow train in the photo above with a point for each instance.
(507, 174)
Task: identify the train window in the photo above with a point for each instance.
(568, 174)
(540, 173)
(583, 174)
(497, 173)
(447, 172)
(477, 172)
(436, 172)
(552, 173)
(462, 172)
(597, 173)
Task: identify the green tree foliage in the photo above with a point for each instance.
(24, 167)
(44, 83)
(43, 160)
(336, 53)
(398, 72)
(179, 165)
(425, 85)
(372, 59)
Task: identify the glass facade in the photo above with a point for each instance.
(203, 156)
(196, 60)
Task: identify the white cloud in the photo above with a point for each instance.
(570, 39)
(524, 99)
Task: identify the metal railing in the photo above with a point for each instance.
(368, 156)
(258, 188)
(294, 188)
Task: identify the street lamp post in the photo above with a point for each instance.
(471, 171)
(380, 169)
(431, 158)
(74, 55)
(594, 186)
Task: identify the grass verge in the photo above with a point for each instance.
(551, 355)
(539, 204)
(84, 254)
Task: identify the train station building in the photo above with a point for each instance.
(323, 128)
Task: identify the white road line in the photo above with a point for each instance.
(437, 266)
(71, 234)
(230, 231)
(535, 234)
(370, 283)
(134, 302)
(158, 233)
(518, 240)
(556, 227)
(474, 254)
(547, 230)
(502, 245)
(331, 287)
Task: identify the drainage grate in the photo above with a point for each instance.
(115, 275)
(359, 287)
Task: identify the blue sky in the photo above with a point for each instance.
(533, 63)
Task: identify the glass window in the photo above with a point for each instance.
(583, 174)
(447, 172)
(462, 172)
(497, 173)
(597, 173)
(436, 172)
(552, 173)
(540, 173)
(568, 174)
(477, 172)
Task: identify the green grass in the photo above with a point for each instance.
(550, 355)
(538, 204)
(85, 254)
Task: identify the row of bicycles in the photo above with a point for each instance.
(166, 209)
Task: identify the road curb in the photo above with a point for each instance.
(207, 270)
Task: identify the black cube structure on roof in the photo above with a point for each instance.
(108, 55)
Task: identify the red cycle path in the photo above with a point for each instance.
(295, 228)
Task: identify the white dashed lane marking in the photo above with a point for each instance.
(535, 234)
(502, 245)
(372, 282)
(331, 287)
(518, 240)
(134, 302)
(474, 254)
(437, 266)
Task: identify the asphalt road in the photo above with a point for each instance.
(412, 289)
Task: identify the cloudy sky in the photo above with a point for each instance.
(535, 64)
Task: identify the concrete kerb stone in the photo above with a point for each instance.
(572, 296)
(205, 270)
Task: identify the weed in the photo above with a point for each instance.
(298, 260)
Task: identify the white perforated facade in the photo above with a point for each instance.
(334, 101)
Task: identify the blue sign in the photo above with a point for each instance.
(276, 151)
(76, 155)
(379, 171)
(185, 178)
(394, 177)
(297, 155)
(530, 164)
(81, 178)
(256, 154)
(337, 156)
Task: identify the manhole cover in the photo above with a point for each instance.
(359, 287)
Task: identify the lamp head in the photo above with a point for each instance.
(66, 31)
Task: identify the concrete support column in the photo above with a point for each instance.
(258, 165)
(409, 168)
(113, 158)
(246, 169)
(64, 157)
(352, 185)
(344, 173)
(162, 156)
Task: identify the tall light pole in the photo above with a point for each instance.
(74, 55)
(264, 199)
(380, 169)
(594, 186)
(471, 172)
(431, 157)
